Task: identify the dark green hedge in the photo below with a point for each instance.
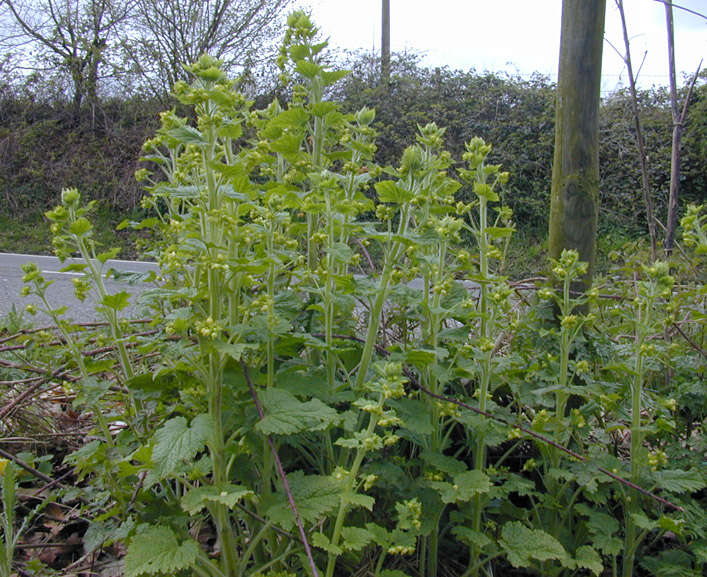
(43, 150)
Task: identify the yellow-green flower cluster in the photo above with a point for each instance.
(208, 328)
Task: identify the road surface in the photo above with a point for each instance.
(61, 292)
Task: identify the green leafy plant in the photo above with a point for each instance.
(337, 377)
(12, 528)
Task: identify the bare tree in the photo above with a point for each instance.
(67, 35)
(640, 145)
(167, 34)
(678, 122)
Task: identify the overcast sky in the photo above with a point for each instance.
(516, 36)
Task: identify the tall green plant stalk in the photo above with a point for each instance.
(484, 179)
(36, 284)
(217, 291)
(648, 293)
(394, 251)
(434, 194)
(566, 270)
(10, 535)
(73, 232)
(351, 476)
(388, 384)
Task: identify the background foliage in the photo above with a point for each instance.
(41, 150)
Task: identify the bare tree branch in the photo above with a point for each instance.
(667, 3)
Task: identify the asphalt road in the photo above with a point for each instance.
(61, 292)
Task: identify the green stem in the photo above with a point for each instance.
(561, 395)
(78, 357)
(485, 377)
(379, 563)
(216, 290)
(343, 506)
(329, 296)
(381, 296)
(631, 541)
(245, 558)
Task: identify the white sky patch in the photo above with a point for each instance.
(515, 36)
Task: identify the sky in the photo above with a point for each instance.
(516, 36)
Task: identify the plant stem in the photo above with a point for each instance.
(343, 506)
(392, 256)
(485, 367)
(631, 541)
(214, 385)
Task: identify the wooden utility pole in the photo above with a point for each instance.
(385, 45)
(575, 171)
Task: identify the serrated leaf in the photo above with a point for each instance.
(420, 357)
(102, 533)
(443, 463)
(493, 433)
(234, 350)
(92, 390)
(414, 415)
(103, 257)
(499, 231)
(465, 486)
(176, 442)
(157, 551)
(669, 524)
(323, 108)
(286, 144)
(523, 545)
(587, 558)
(602, 527)
(308, 69)
(187, 135)
(671, 563)
(381, 535)
(340, 251)
(117, 301)
(471, 537)
(286, 415)
(482, 189)
(322, 541)
(355, 538)
(230, 129)
(359, 500)
(389, 191)
(196, 499)
(186, 191)
(643, 522)
(330, 77)
(349, 443)
(99, 366)
(519, 485)
(74, 267)
(315, 496)
(678, 481)
(80, 226)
